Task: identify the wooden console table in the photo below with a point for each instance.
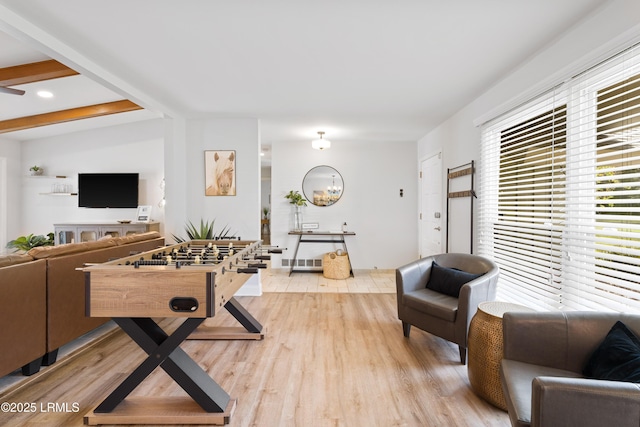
(327, 237)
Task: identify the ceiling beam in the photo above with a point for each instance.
(63, 116)
(34, 72)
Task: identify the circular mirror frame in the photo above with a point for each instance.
(324, 198)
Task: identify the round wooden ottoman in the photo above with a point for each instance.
(486, 350)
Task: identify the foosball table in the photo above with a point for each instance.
(193, 280)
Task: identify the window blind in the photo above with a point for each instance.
(559, 193)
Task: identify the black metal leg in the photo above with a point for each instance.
(243, 316)
(164, 351)
(32, 367)
(295, 256)
(406, 329)
(463, 355)
(50, 358)
(344, 245)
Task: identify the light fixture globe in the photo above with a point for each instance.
(321, 144)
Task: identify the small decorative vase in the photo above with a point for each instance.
(39, 172)
(297, 218)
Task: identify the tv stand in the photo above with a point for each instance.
(89, 231)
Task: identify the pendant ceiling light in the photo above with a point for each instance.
(321, 143)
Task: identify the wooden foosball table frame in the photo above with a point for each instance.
(136, 289)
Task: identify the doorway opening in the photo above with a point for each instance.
(265, 201)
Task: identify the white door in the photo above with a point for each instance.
(431, 216)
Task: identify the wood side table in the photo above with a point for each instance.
(486, 350)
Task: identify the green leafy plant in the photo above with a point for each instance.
(265, 212)
(25, 243)
(36, 170)
(204, 232)
(295, 198)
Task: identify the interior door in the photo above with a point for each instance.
(431, 218)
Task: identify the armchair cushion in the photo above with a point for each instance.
(617, 358)
(437, 304)
(516, 383)
(448, 281)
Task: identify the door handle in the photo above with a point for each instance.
(437, 228)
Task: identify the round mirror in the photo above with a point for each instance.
(322, 186)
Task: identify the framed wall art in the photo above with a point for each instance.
(144, 214)
(220, 173)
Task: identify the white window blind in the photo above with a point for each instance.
(559, 193)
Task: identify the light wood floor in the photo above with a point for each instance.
(363, 281)
(328, 359)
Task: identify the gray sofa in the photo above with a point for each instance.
(541, 372)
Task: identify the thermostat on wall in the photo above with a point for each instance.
(310, 225)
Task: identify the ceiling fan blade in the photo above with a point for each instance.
(11, 91)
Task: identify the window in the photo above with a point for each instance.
(559, 193)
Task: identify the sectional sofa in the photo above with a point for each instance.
(43, 298)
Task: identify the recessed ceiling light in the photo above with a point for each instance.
(45, 94)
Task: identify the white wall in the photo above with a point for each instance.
(10, 191)
(373, 174)
(185, 168)
(607, 31)
(135, 147)
(165, 148)
(186, 142)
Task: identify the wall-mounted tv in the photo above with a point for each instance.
(108, 190)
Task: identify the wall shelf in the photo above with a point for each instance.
(58, 185)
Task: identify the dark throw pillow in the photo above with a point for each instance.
(617, 358)
(448, 281)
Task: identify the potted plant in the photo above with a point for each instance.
(25, 243)
(36, 170)
(204, 232)
(265, 213)
(295, 198)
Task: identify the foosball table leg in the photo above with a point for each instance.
(163, 350)
(251, 329)
(243, 316)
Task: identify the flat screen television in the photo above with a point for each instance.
(108, 190)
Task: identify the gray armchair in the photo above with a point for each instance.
(541, 373)
(444, 315)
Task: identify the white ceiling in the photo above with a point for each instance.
(356, 69)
